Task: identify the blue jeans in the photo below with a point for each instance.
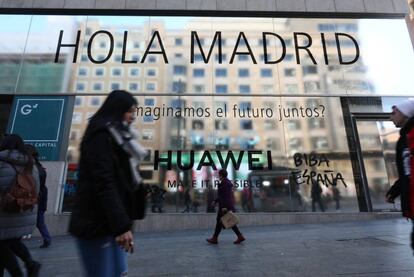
(41, 225)
(102, 257)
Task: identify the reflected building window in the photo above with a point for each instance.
(99, 72)
(309, 70)
(244, 89)
(316, 123)
(221, 88)
(270, 125)
(223, 57)
(266, 72)
(292, 88)
(95, 101)
(179, 70)
(80, 86)
(197, 142)
(133, 87)
(178, 41)
(222, 143)
(267, 88)
(152, 59)
(319, 143)
(221, 72)
(295, 143)
(151, 72)
(117, 58)
(198, 72)
(221, 124)
(147, 134)
(244, 72)
(290, 72)
(98, 87)
(199, 88)
(179, 87)
(288, 58)
(197, 125)
(293, 125)
(77, 118)
(134, 72)
(272, 143)
(78, 101)
(312, 86)
(84, 58)
(116, 72)
(83, 71)
(115, 86)
(151, 86)
(246, 124)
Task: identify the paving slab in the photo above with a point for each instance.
(363, 248)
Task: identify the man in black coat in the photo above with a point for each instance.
(403, 117)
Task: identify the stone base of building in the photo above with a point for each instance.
(58, 224)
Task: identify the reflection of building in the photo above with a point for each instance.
(37, 73)
(212, 85)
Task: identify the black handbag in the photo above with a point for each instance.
(139, 202)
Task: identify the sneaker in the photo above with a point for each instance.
(45, 244)
(239, 239)
(33, 269)
(212, 240)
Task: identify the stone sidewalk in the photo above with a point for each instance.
(377, 248)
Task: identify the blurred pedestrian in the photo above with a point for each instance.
(42, 202)
(225, 201)
(16, 169)
(402, 116)
(102, 218)
(316, 194)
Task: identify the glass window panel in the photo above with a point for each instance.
(40, 73)
(14, 31)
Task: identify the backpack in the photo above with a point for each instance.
(22, 194)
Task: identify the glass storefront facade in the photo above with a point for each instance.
(276, 101)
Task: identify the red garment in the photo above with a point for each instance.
(410, 144)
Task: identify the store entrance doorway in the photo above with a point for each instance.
(376, 138)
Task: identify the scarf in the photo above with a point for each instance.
(125, 137)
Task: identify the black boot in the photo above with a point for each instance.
(33, 269)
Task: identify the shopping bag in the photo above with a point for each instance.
(229, 219)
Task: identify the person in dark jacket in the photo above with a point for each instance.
(102, 218)
(42, 202)
(316, 194)
(402, 116)
(225, 202)
(13, 226)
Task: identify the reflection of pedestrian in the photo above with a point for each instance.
(225, 201)
(157, 199)
(316, 194)
(336, 197)
(403, 117)
(187, 201)
(210, 199)
(247, 201)
(103, 210)
(294, 189)
(42, 202)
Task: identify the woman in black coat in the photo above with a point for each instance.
(103, 212)
(225, 201)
